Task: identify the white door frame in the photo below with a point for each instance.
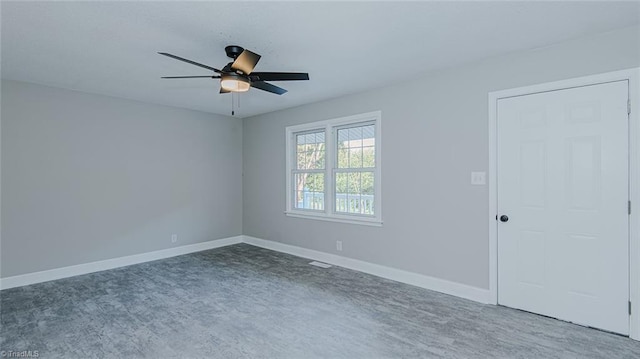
(633, 76)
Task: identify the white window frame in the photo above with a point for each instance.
(330, 128)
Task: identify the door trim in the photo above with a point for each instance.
(633, 77)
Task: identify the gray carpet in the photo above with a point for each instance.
(246, 302)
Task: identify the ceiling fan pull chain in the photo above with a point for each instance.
(232, 111)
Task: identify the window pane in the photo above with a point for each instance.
(343, 157)
(355, 192)
(367, 183)
(353, 202)
(355, 157)
(356, 147)
(310, 151)
(368, 157)
(355, 137)
(353, 185)
(343, 135)
(310, 138)
(341, 182)
(368, 135)
(300, 155)
(309, 191)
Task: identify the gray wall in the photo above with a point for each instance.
(88, 177)
(434, 133)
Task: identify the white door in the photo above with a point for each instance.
(563, 183)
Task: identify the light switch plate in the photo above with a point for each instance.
(478, 178)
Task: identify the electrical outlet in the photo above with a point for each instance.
(478, 178)
(174, 238)
(339, 245)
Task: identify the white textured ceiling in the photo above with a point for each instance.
(111, 47)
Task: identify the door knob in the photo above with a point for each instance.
(504, 218)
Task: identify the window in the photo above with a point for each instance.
(333, 170)
(308, 175)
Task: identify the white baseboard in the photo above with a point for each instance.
(85, 268)
(398, 275)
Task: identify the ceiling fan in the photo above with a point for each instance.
(238, 76)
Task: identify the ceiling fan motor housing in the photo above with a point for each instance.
(233, 51)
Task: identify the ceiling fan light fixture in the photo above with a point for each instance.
(234, 83)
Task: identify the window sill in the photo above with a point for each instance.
(340, 219)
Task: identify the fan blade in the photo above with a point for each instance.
(223, 90)
(190, 77)
(265, 86)
(279, 76)
(246, 61)
(190, 62)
